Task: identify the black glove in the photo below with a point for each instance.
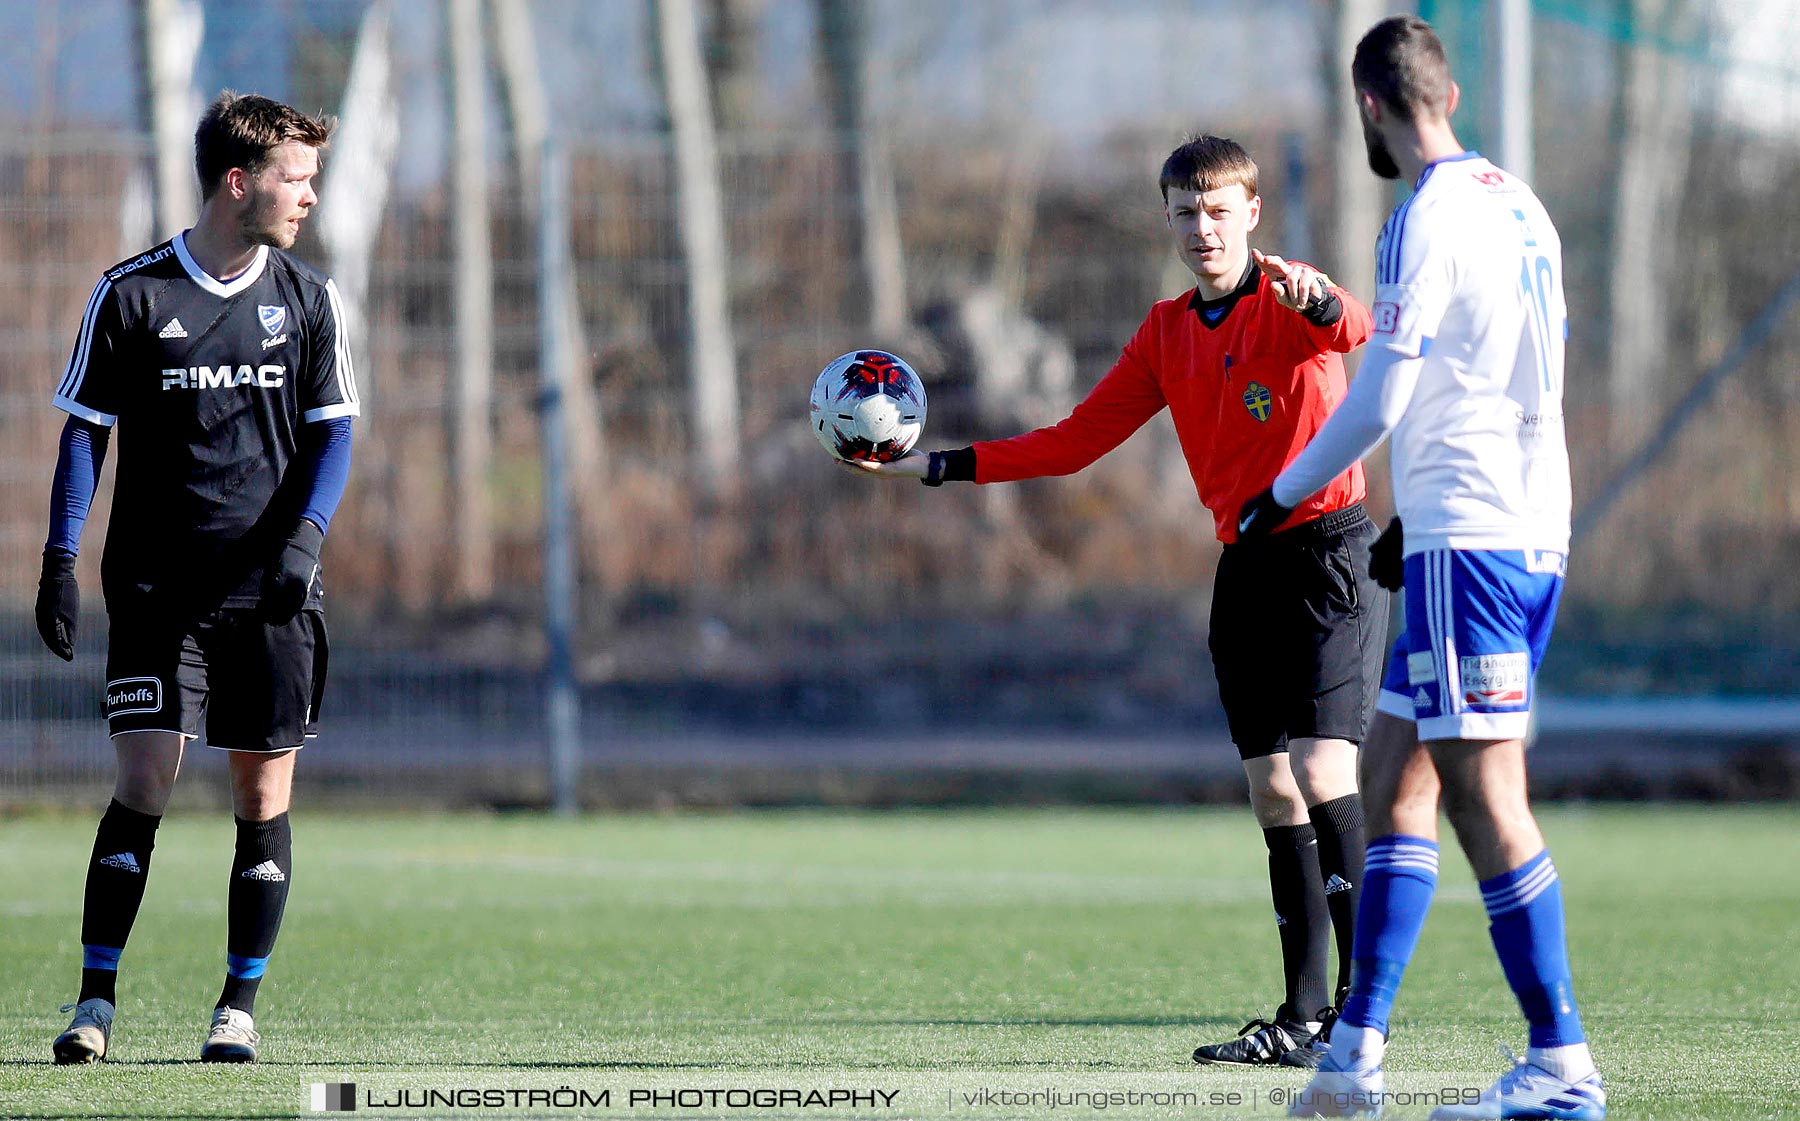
(58, 603)
(1385, 563)
(1261, 515)
(289, 581)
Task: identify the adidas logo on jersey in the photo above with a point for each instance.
(264, 871)
(1336, 884)
(1421, 699)
(123, 861)
(172, 330)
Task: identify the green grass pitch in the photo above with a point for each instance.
(922, 944)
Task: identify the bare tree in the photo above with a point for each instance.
(354, 198)
(527, 100)
(701, 223)
(843, 42)
(1360, 197)
(471, 399)
(361, 169)
(1656, 133)
(169, 32)
(732, 61)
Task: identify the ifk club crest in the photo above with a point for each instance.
(1258, 400)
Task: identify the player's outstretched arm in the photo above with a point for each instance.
(58, 607)
(1117, 406)
(934, 469)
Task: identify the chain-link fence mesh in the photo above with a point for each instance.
(791, 602)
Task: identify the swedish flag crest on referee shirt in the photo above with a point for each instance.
(1258, 400)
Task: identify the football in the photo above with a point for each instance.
(868, 405)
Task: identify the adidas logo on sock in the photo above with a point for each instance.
(1336, 884)
(123, 861)
(172, 330)
(264, 871)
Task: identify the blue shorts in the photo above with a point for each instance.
(1477, 625)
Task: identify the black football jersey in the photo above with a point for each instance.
(208, 382)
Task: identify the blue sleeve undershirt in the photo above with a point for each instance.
(78, 460)
(324, 460)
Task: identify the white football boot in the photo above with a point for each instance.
(1348, 1083)
(1527, 1091)
(88, 1033)
(232, 1039)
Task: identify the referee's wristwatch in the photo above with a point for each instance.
(934, 470)
(955, 466)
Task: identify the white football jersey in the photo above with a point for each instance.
(1468, 275)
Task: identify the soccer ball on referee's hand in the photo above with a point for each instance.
(868, 405)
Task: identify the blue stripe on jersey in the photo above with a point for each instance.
(1398, 221)
(1469, 154)
(1381, 248)
(1400, 233)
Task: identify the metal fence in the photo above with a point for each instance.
(792, 607)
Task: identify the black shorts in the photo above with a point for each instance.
(1299, 634)
(256, 684)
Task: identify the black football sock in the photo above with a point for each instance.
(115, 890)
(259, 891)
(1342, 839)
(1301, 917)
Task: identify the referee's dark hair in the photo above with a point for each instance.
(1207, 163)
(1401, 61)
(240, 130)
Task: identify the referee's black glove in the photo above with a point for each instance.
(58, 603)
(1385, 563)
(289, 581)
(1261, 515)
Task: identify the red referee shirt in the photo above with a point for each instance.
(1247, 382)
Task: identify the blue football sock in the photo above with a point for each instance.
(1525, 918)
(1400, 876)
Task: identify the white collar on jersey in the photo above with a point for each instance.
(205, 279)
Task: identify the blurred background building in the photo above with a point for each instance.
(644, 225)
